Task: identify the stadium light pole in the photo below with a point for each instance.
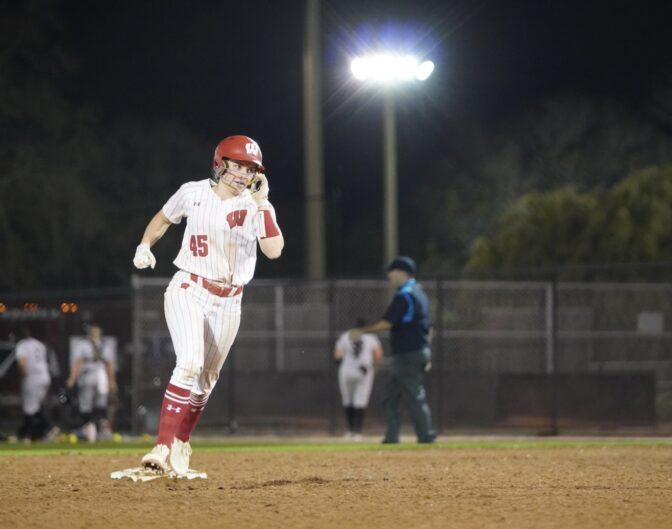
(314, 222)
(388, 70)
(390, 194)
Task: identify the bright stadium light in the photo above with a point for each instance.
(406, 67)
(359, 68)
(424, 70)
(390, 67)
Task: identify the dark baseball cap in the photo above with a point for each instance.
(405, 263)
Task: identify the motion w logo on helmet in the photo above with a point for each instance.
(236, 218)
(252, 149)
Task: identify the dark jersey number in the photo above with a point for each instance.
(357, 348)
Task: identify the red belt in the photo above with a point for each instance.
(222, 292)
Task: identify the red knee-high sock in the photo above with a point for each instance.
(175, 406)
(196, 407)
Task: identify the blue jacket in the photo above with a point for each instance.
(409, 315)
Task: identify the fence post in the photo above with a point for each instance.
(550, 326)
(231, 391)
(440, 351)
(136, 359)
(279, 328)
(331, 366)
(551, 349)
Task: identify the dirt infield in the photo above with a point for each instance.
(437, 488)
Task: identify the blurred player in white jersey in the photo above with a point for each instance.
(92, 367)
(227, 216)
(358, 361)
(31, 356)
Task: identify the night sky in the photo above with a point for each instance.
(222, 68)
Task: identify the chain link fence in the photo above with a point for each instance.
(541, 354)
(495, 342)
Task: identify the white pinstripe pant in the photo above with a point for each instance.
(33, 392)
(203, 327)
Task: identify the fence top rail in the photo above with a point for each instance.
(587, 285)
(494, 285)
(138, 281)
(70, 295)
(144, 281)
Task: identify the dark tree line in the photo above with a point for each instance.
(74, 194)
(626, 223)
(542, 188)
(560, 158)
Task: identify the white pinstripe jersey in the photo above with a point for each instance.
(220, 239)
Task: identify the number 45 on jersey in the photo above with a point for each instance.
(198, 244)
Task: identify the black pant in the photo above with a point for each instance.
(406, 383)
(34, 426)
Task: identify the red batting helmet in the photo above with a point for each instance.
(241, 148)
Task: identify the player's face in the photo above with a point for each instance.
(397, 277)
(239, 174)
(95, 333)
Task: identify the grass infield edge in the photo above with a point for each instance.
(138, 448)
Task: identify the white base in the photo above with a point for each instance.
(146, 474)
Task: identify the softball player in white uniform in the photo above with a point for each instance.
(93, 364)
(227, 216)
(31, 355)
(358, 361)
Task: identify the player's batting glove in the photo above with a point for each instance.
(144, 257)
(260, 190)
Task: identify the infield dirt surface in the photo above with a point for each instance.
(438, 487)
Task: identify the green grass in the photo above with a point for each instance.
(320, 445)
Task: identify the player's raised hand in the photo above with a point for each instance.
(144, 257)
(260, 189)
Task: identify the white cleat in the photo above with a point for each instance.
(90, 432)
(180, 455)
(157, 459)
(52, 434)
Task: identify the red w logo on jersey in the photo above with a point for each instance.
(236, 218)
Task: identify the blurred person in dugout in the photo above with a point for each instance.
(93, 362)
(358, 359)
(407, 319)
(32, 359)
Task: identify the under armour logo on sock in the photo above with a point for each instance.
(170, 407)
